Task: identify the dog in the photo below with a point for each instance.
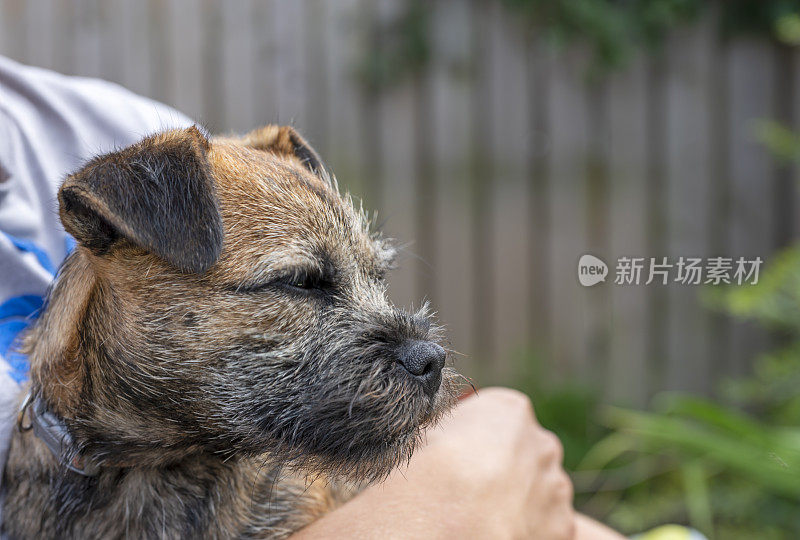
(217, 358)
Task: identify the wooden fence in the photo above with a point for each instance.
(498, 161)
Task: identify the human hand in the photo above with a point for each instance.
(489, 470)
(504, 468)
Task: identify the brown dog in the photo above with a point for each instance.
(217, 357)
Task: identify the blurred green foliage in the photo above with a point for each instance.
(397, 49)
(757, 17)
(728, 467)
(787, 28)
(783, 142)
(613, 30)
(569, 409)
(727, 472)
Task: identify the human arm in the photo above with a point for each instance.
(488, 471)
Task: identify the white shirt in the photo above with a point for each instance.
(49, 125)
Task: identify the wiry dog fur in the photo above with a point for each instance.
(220, 344)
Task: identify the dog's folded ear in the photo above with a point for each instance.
(285, 141)
(158, 194)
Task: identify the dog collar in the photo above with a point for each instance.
(53, 432)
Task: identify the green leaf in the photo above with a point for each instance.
(781, 141)
(698, 499)
(773, 465)
(787, 29)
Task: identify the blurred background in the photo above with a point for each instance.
(500, 140)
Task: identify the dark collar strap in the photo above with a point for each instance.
(53, 432)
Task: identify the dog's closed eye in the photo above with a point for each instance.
(300, 280)
(303, 279)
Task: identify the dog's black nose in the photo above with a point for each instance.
(424, 360)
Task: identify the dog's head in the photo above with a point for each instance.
(233, 302)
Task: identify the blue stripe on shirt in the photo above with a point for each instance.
(18, 312)
(28, 246)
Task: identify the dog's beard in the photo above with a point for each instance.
(338, 408)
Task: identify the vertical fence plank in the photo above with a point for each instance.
(112, 56)
(372, 26)
(157, 41)
(13, 29)
(481, 179)
(110, 50)
(688, 200)
(658, 119)
(510, 237)
(451, 119)
(185, 20)
(597, 195)
(315, 126)
(87, 38)
(289, 27)
(131, 27)
(39, 38)
(784, 111)
(64, 37)
(265, 78)
(719, 110)
(626, 380)
(539, 154)
(794, 124)
(568, 121)
(395, 109)
(397, 137)
(425, 188)
(212, 52)
(751, 223)
(342, 45)
(237, 57)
